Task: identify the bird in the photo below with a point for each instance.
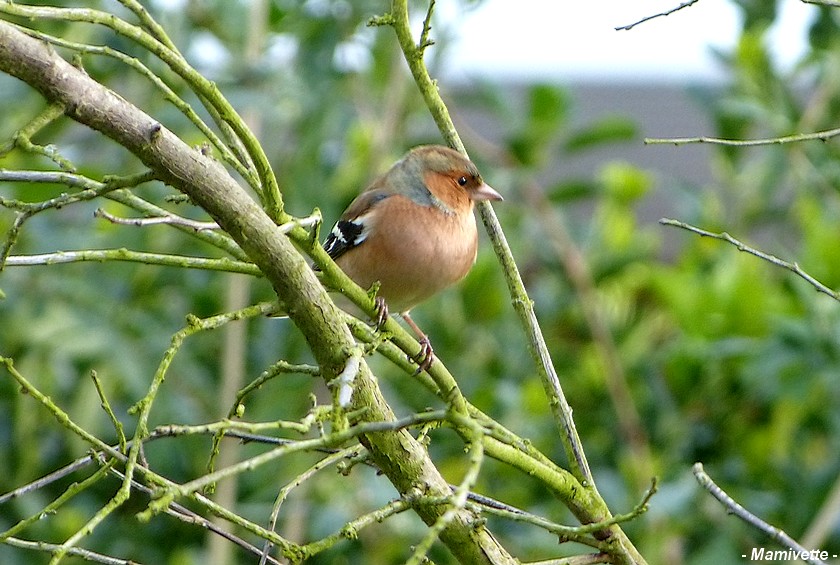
(412, 231)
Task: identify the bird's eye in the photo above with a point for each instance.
(462, 181)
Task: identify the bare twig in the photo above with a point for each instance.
(103, 400)
(149, 23)
(732, 507)
(75, 551)
(171, 493)
(350, 529)
(723, 236)
(59, 474)
(90, 188)
(51, 113)
(218, 239)
(427, 28)
(663, 14)
(188, 516)
(171, 219)
(591, 559)
(331, 459)
(579, 534)
(577, 269)
(22, 139)
(99, 255)
(816, 136)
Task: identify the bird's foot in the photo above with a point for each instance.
(426, 357)
(381, 312)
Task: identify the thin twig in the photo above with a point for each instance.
(168, 218)
(427, 28)
(103, 400)
(12, 236)
(149, 24)
(331, 459)
(22, 139)
(365, 428)
(815, 136)
(90, 188)
(51, 113)
(40, 483)
(579, 534)
(350, 529)
(663, 14)
(732, 507)
(85, 554)
(218, 239)
(591, 559)
(188, 516)
(723, 236)
(577, 269)
(69, 493)
(238, 408)
(171, 219)
(100, 255)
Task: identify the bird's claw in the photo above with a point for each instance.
(426, 357)
(381, 312)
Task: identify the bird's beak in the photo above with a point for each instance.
(485, 192)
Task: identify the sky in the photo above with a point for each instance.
(568, 41)
(577, 40)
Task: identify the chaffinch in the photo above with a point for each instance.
(413, 231)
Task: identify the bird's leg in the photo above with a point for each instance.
(381, 312)
(426, 356)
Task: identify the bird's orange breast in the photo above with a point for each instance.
(425, 252)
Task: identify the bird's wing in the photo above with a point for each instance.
(353, 227)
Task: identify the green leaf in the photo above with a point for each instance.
(625, 182)
(610, 129)
(549, 106)
(572, 189)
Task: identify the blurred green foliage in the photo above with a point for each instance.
(728, 360)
